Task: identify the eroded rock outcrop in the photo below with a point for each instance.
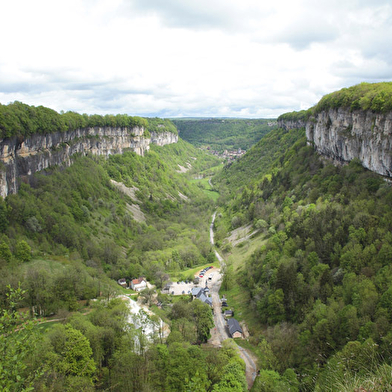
(342, 134)
(20, 158)
(291, 124)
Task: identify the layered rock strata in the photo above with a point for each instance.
(21, 158)
(343, 135)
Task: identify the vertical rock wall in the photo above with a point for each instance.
(343, 135)
(19, 158)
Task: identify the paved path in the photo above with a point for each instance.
(220, 333)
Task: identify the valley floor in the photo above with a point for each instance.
(220, 333)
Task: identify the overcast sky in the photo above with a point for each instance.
(171, 58)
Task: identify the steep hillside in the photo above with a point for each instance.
(319, 286)
(67, 236)
(223, 134)
(126, 214)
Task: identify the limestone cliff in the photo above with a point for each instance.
(343, 135)
(291, 124)
(21, 158)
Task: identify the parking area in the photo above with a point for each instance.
(183, 288)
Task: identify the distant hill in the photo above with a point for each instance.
(223, 134)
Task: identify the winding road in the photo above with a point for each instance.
(220, 333)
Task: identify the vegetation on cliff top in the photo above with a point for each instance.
(302, 115)
(376, 97)
(19, 119)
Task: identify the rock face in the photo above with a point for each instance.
(163, 138)
(291, 124)
(343, 135)
(22, 158)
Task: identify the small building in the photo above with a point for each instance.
(201, 294)
(138, 284)
(197, 291)
(234, 327)
(122, 282)
(228, 313)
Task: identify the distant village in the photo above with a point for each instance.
(227, 155)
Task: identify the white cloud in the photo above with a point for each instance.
(181, 57)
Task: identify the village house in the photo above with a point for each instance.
(234, 328)
(200, 294)
(138, 284)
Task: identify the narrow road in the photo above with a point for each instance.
(212, 229)
(220, 333)
(218, 256)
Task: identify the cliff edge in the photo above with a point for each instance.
(351, 123)
(344, 135)
(21, 157)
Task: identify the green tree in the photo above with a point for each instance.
(5, 253)
(228, 277)
(18, 340)
(276, 311)
(23, 251)
(203, 319)
(72, 354)
(233, 379)
(3, 216)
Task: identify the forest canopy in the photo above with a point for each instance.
(376, 97)
(19, 119)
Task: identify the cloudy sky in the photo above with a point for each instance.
(171, 58)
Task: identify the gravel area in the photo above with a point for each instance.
(185, 288)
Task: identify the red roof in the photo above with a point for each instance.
(137, 281)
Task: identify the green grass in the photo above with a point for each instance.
(52, 264)
(242, 251)
(238, 300)
(211, 194)
(45, 326)
(206, 187)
